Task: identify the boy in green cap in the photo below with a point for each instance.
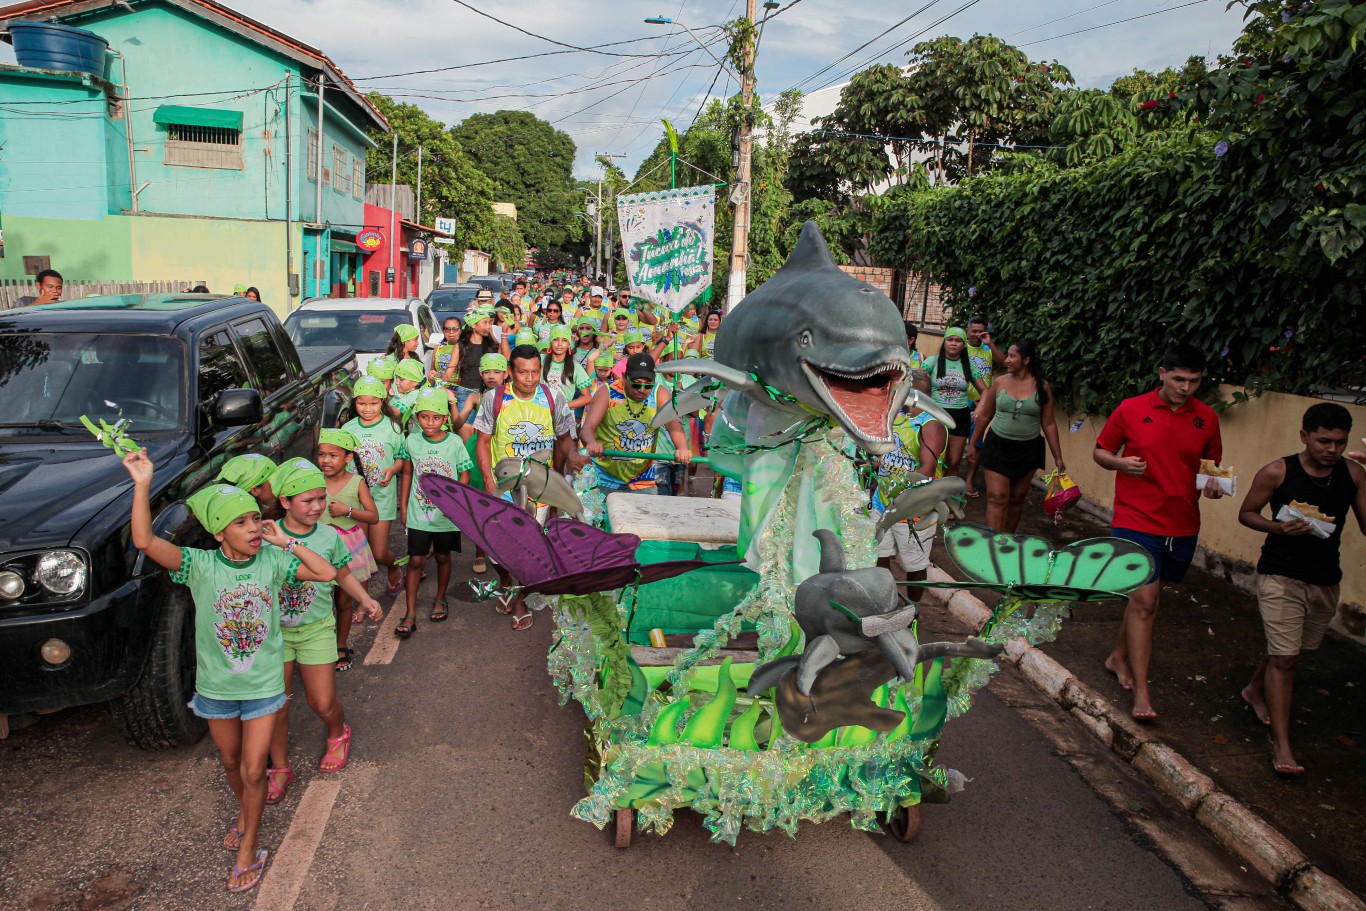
(309, 627)
(407, 378)
(252, 472)
(380, 449)
(239, 650)
(433, 451)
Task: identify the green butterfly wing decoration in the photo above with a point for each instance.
(1097, 569)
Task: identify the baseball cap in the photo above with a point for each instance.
(640, 367)
(597, 291)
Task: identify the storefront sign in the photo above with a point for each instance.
(417, 249)
(445, 226)
(370, 240)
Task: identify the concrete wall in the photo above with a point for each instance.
(1254, 434)
(220, 252)
(63, 157)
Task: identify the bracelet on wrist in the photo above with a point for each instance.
(290, 545)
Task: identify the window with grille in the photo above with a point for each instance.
(313, 155)
(341, 170)
(203, 147)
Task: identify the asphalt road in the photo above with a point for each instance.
(462, 774)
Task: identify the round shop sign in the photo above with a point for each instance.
(370, 240)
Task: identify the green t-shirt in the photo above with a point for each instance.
(402, 402)
(982, 361)
(302, 603)
(379, 446)
(446, 457)
(571, 382)
(476, 476)
(239, 649)
(951, 389)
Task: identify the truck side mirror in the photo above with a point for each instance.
(236, 407)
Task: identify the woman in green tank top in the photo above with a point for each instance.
(1018, 409)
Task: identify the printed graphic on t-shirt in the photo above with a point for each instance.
(295, 600)
(527, 437)
(635, 436)
(429, 464)
(370, 452)
(241, 627)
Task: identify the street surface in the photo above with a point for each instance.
(462, 775)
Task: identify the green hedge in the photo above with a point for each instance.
(1208, 236)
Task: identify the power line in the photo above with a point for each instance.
(1093, 28)
(518, 28)
(835, 63)
(1081, 12)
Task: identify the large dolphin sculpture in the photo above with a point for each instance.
(815, 340)
(811, 349)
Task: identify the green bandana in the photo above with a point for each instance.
(691, 352)
(342, 439)
(295, 477)
(381, 368)
(526, 337)
(493, 362)
(586, 323)
(434, 400)
(955, 332)
(632, 337)
(371, 386)
(217, 505)
(478, 315)
(406, 332)
(557, 331)
(246, 471)
(410, 370)
(604, 360)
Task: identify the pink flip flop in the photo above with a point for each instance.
(345, 742)
(275, 792)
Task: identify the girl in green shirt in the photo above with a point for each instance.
(379, 448)
(310, 629)
(239, 649)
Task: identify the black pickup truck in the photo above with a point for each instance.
(84, 617)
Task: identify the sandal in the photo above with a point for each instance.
(233, 840)
(344, 656)
(259, 868)
(344, 741)
(504, 603)
(439, 613)
(971, 494)
(393, 590)
(406, 627)
(523, 622)
(479, 565)
(275, 792)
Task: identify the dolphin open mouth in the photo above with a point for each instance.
(863, 399)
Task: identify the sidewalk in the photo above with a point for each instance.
(1208, 641)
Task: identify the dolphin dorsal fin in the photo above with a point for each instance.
(811, 252)
(832, 551)
(542, 456)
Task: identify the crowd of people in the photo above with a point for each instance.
(566, 373)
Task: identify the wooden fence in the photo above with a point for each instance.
(13, 292)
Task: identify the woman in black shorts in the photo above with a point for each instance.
(1019, 410)
(952, 374)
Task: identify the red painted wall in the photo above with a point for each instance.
(391, 254)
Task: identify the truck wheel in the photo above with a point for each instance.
(153, 714)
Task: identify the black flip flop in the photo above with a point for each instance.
(344, 664)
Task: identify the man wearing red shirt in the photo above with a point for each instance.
(1163, 436)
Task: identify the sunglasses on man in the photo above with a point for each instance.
(642, 384)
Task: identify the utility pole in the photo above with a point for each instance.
(417, 208)
(739, 248)
(393, 214)
(597, 233)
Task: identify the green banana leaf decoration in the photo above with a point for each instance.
(742, 730)
(622, 688)
(707, 727)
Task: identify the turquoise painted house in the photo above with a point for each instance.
(199, 113)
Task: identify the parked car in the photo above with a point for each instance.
(452, 300)
(84, 617)
(494, 283)
(365, 324)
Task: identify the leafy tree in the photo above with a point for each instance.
(982, 94)
(531, 165)
(451, 184)
(508, 248)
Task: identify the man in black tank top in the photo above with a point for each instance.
(1299, 572)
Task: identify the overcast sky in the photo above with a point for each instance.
(607, 103)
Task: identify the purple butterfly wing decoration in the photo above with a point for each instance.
(508, 534)
(566, 557)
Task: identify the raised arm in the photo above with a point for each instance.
(160, 551)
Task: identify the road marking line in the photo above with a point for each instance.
(290, 864)
(386, 643)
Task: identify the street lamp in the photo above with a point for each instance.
(665, 20)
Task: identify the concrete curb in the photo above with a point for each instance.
(1236, 827)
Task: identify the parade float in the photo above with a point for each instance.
(802, 691)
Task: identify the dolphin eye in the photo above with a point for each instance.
(804, 340)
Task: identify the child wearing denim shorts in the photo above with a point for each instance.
(239, 666)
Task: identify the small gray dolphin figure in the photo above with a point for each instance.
(846, 612)
(534, 478)
(925, 502)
